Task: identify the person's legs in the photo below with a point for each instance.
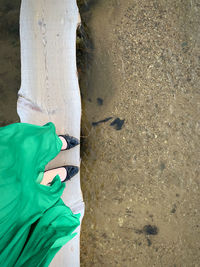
(49, 175)
(64, 146)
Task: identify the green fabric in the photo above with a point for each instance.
(34, 221)
(40, 177)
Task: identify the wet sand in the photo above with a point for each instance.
(10, 66)
(140, 168)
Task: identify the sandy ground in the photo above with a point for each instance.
(10, 66)
(140, 168)
(140, 127)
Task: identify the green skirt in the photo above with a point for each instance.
(34, 221)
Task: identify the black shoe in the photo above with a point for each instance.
(71, 171)
(71, 141)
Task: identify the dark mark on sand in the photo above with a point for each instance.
(162, 166)
(150, 230)
(97, 122)
(117, 123)
(149, 243)
(173, 209)
(99, 101)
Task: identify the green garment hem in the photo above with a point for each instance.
(40, 177)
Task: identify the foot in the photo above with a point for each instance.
(49, 175)
(68, 141)
(64, 143)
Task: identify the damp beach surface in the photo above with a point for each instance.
(140, 128)
(10, 65)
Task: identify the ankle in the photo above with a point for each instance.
(50, 174)
(64, 143)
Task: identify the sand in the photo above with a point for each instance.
(140, 167)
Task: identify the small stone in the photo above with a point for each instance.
(120, 221)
